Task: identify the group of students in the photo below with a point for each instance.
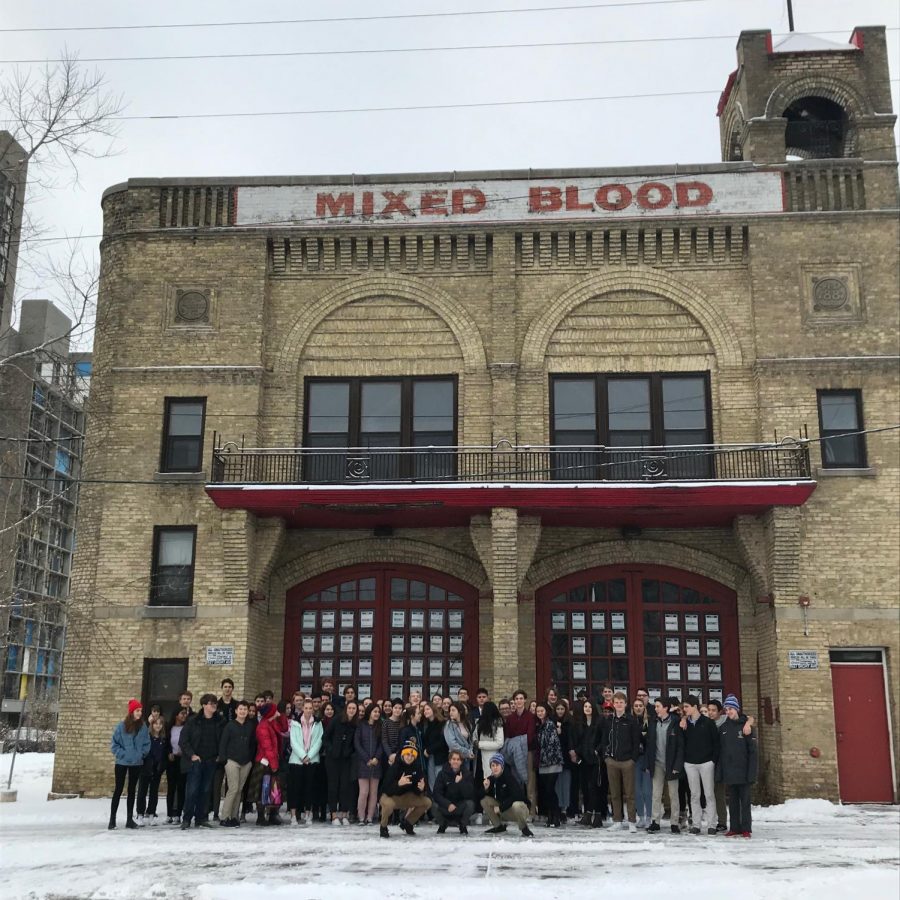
(449, 762)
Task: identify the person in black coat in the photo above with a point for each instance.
(504, 798)
(454, 795)
(737, 767)
(620, 739)
(338, 753)
(404, 788)
(237, 748)
(585, 741)
(701, 753)
(199, 744)
(664, 756)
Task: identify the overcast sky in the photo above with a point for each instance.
(642, 131)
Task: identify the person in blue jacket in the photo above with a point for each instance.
(130, 745)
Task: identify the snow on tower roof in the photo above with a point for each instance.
(808, 43)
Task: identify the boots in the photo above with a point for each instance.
(274, 818)
(112, 822)
(261, 814)
(597, 821)
(587, 818)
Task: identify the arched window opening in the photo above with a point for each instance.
(816, 129)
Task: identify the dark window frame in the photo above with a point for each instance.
(164, 465)
(824, 434)
(158, 531)
(601, 410)
(146, 699)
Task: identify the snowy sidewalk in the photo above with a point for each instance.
(805, 848)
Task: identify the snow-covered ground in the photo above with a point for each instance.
(805, 848)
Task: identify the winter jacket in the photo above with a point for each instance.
(456, 740)
(298, 750)
(488, 745)
(238, 742)
(435, 745)
(392, 787)
(701, 741)
(199, 737)
(505, 788)
(621, 738)
(158, 756)
(337, 741)
(549, 753)
(130, 749)
(644, 725)
(390, 736)
(586, 739)
(368, 746)
(674, 748)
(526, 724)
(738, 753)
(269, 742)
(412, 733)
(448, 790)
(227, 712)
(566, 731)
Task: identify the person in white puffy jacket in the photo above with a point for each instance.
(488, 735)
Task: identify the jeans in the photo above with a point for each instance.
(702, 775)
(464, 811)
(564, 790)
(197, 788)
(132, 773)
(643, 792)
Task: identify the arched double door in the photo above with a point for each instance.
(633, 626)
(385, 630)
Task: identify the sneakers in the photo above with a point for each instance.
(623, 826)
(746, 834)
(695, 830)
(298, 820)
(732, 833)
(153, 820)
(363, 822)
(344, 820)
(527, 832)
(654, 828)
(169, 820)
(721, 828)
(229, 823)
(712, 832)
(308, 818)
(586, 819)
(478, 820)
(185, 825)
(499, 829)
(632, 828)
(383, 831)
(203, 823)
(597, 821)
(336, 822)
(676, 829)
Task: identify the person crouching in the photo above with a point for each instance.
(504, 799)
(404, 788)
(454, 795)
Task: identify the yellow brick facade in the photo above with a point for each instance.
(499, 306)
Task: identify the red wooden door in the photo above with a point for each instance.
(386, 630)
(861, 731)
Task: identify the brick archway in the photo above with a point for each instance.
(385, 629)
(635, 625)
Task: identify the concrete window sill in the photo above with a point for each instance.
(868, 472)
(180, 477)
(169, 612)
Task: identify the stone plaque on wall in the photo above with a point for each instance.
(190, 307)
(831, 293)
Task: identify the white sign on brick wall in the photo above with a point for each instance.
(511, 200)
(803, 659)
(220, 656)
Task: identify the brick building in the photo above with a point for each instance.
(515, 428)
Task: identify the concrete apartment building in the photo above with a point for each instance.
(43, 388)
(514, 429)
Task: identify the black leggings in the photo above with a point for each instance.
(133, 772)
(301, 786)
(340, 784)
(548, 802)
(590, 788)
(150, 779)
(175, 781)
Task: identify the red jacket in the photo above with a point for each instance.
(269, 742)
(514, 725)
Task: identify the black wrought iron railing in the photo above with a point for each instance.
(232, 464)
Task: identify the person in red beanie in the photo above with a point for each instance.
(130, 744)
(269, 747)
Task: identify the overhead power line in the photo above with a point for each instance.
(364, 51)
(338, 19)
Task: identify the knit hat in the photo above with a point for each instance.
(267, 710)
(498, 758)
(732, 702)
(133, 705)
(411, 746)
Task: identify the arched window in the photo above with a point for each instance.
(816, 129)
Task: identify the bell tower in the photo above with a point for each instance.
(808, 98)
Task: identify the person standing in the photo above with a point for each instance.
(390, 729)
(175, 778)
(338, 753)
(303, 764)
(717, 714)
(367, 743)
(454, 795)
(621, 741)
(236, 750)
(548, 760)
(519, 729)
(458, 733)
(226, 710)
(665, 758)
(643, 777)
(701, 753)
(566, 784)
(129, 745)
(404, 788)
(737, 767)
(435, 747)
(152, 771)
(504, 798)
(267, 762)
(199, 751)
(488, 735)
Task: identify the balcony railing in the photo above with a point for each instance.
(231, 464)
